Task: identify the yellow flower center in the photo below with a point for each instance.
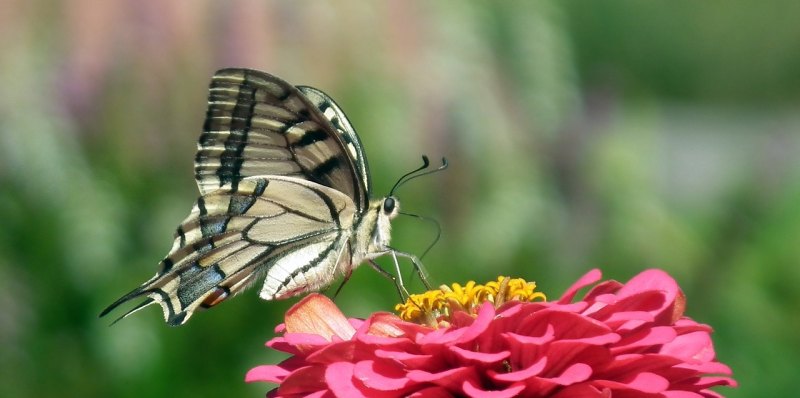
(435, 307)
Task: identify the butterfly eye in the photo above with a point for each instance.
(388, 205)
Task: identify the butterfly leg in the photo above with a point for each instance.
(341, 285)
(418, 267)
(419, 270)
(401, 290)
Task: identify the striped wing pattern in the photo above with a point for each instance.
(258, 124)
(289, 231)
(283, 180)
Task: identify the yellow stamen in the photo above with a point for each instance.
(435, 307)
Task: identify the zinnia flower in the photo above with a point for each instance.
(619, 340)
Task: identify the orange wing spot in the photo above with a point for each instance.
(217, 296)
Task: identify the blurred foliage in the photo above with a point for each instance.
(620, 134)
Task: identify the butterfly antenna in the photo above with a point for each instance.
(432, 221)
(416, 173)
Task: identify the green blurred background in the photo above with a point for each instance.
(621, 135)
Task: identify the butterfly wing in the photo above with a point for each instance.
(290, 231)
(258, 124)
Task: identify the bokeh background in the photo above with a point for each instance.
(621, 135)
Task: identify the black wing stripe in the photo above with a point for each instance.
(325, 168)
(239, 204)
(323, 255)
(213, 225)
(199, 282)
(311, 137)
(231, 159)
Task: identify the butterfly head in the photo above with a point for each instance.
(384, 210)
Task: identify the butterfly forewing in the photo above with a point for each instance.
(257, 124)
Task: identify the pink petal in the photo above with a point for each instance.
(432, 392)
(304, 381)
(586, 280)
(385, 324)
(629, 364)
(648, 382)
(318, 394)
(450, 379)
(582, 390)
(645, 338)
(706, 382)
(563, 354)
(482, 321)
(681, 394)
(644, 306)
(342, 351)
(409, 360)
(482, 358)
(531, 371)
(280, 344)
(568, 326)
(439, 336)
(602, 289)
(658, 281)
(708, 367)
(576, 373)
(317, 314)
(339, 378)
(624, 321)
(380, 376)
(649, 280)
(382, 341)
(305, 339)
(695, 346)
(355, 323)
(269, 373)
(547, 335)
(472, 390)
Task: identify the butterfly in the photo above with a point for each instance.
(284, 198)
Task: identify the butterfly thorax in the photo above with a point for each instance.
(374, 231)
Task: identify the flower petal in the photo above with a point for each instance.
(380, 376)
(432, 392)
(269, 373)
(339, 379)
(317, 314)
(586, 280)
(527, 373)
(450, 378)
(303, 381)
(479, 358)
(695, 346)
(471, 389)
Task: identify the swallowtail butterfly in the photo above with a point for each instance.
(284, 198)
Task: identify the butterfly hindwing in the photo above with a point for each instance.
(289, 232)
(257, 124)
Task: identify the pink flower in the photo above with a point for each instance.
(620, 340)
